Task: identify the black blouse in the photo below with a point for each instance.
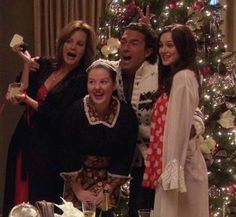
(85, 135)
(71, 88)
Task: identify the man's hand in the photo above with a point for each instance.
(192, 132)
(144, 18)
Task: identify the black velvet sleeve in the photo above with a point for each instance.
(70, 89)
(71, 158)
(123, 155)
(58, 101)
(37, 78)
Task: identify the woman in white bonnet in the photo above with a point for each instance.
(100, 135)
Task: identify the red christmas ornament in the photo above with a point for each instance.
(210, 84)
(131, 8)
(210, 211)
(122, 18)
(130, 11)
(205, 70)
(231, 189)
(172, 5)
(102, 42)
(198, 5)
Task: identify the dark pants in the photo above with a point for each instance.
(140, 197)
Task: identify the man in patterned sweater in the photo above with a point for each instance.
(137, 82)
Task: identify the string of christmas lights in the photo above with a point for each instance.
(218, 96)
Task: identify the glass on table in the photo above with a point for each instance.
(15, 88)
(89, 209)
(144, 213)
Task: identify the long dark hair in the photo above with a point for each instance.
(187, 48)
(67, 31)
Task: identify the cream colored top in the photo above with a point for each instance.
(183, 102)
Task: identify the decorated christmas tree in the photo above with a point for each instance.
(218, 92)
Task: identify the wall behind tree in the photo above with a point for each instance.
(15, 17)
(230, 27)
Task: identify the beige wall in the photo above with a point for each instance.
(230, 26)
(15, 17)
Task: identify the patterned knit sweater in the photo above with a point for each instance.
(144, 86)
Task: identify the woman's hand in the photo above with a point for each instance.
(22, 97)
(84, 195)
(24, 55)
(30, 63)
(99, 199)
(16, 98)
(106, 191)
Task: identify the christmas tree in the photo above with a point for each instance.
(218, 96)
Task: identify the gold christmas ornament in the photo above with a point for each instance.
(112, 47)
(105, 50)
(113, 42)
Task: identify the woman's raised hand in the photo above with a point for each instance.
(31, 63)
(24, 55)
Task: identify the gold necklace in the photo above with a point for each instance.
(56, 76)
